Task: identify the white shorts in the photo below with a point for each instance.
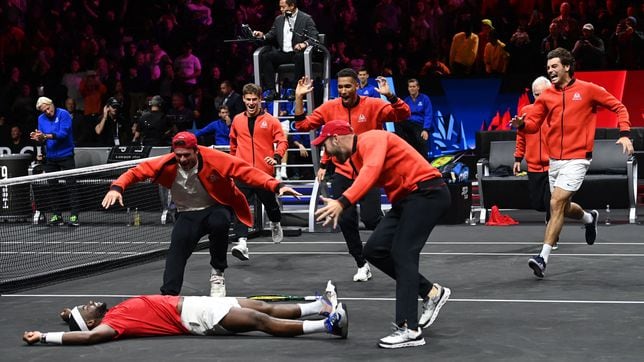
(201, 315)
(567, 174)
(286, 127)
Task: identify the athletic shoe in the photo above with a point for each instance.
(56, 220)
(431, 306)
(556, 245)
(538, 265)
(403, 337)
(240, 251)
(329, 299)
(276, 232)
(217, 284)
(73, 220)
(591, 228)
(363, 274)
(338, 322)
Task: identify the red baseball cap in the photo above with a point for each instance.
(184, 140)
(333, 128)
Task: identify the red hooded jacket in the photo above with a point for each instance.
(532, 147)
(216, 172)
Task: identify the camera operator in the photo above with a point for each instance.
(153, 126)
(110, 126)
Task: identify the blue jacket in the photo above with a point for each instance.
(60, 125)
(368, 91)
(421, 111)
(220, 129)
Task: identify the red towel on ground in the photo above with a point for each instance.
(498, 219)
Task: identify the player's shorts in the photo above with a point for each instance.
(201, 315)
(567, 174)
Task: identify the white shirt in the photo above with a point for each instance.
(287, 31)
(188, 193)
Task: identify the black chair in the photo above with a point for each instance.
(610, 180)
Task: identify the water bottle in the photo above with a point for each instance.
(137, 217)
(607, 222)
(129, 217)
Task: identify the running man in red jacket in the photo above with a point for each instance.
(201, 180)
(569, 110)
(165, 315)
(532, 147)
(364, 114)
(419, 198)
(257, 138)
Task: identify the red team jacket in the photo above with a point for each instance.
(571, 116)
(253, 149)
(532, 147)
(216, 170)
(369, 114)
(383, 159)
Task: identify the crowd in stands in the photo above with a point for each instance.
(80, 53)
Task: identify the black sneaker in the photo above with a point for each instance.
(538, 265)
(591, 228)
(56, 220)
(73, 220)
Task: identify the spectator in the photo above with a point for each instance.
(484, 37)
(228, 97)
(589, 51)
(83, 135)
(463, 50)
(626, 45)
(92, 91)
(188, 69)
(220, 128)
(179, 116)
(554, 40)
(18, 142)
(495, 56)
(153, 127)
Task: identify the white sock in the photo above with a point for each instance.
(310, 308)
(545, 252)
(241, 242)
(587, 218)
(214, 271)
(313, 326)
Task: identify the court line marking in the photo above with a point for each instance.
(430, 243)
(367, 299)
(636, 255)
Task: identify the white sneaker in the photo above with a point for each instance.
(240, 251)
(432, 306)
(403, 337)
(276, 232)
(329, 299)
(363, 274)
(217, 284)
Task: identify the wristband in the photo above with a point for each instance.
(52, 337)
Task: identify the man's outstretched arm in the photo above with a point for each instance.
(100, 334)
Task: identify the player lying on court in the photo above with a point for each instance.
(164, 315)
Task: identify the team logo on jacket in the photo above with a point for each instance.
(263, 124)
(420, 103)
(576, 96)
(362, 118)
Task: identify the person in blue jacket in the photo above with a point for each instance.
(364, 87)
(417, 129)
(55, 131)
(220, 127)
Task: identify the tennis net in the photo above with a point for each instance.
(34, 251)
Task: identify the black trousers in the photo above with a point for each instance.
(273, 59)
(267, 198)
(58, 191)
(370, 214)
(539, 188)
(395, 245)
(410, 132)
(188, 229)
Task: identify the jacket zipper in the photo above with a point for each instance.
(563, 110)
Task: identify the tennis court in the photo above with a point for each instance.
(590, 306)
